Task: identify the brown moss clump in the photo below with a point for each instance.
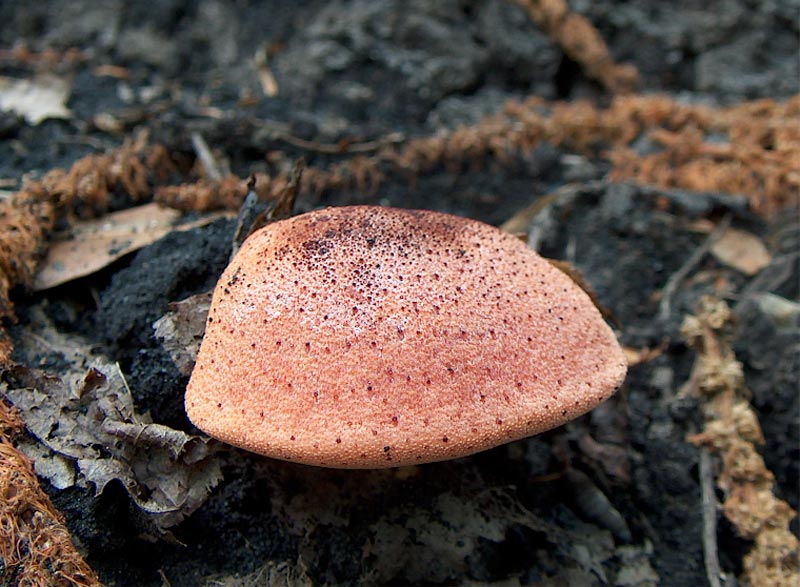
(228, 193)
(35, 545)
(24, 220)
(581, 41)
(732, 431)
(752, 148)
(745, 149)
(28, 217)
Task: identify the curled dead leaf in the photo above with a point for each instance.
(181, 330)
(88, 432)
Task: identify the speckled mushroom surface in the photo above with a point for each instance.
(363, 337)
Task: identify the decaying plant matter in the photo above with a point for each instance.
(35, 545)
(756, 149)
(749, 148)
(226, 192)
(759, 155)
(732, 431)
(84, 431)
(581, 41)
(28, 217)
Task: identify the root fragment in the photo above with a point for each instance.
(732, 431)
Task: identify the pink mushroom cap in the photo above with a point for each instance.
(366, 337)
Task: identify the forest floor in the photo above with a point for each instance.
(655, 146)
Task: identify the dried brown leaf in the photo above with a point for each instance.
(181, 330)
(95, 244)
(85, 416)
(28, 216)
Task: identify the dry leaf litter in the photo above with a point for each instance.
(753, 151)
(36, 547)
(85, 430)
(763, 165)
(732, 431)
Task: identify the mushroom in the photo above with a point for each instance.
(366, 337)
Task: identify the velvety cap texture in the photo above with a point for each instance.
(363, 337)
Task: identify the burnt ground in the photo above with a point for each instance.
(362, 69)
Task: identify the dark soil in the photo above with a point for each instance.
(362, 69)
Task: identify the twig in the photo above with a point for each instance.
(710, 506)
(572, 247)
(269, 85)
(97, 144)
(280, 208)
(668, 292)
(246, 216)
(122, 376)
(284, 204)
(206, 158)
(164, 581)
(344, 146)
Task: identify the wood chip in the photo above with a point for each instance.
(637, 356)
(742, 251)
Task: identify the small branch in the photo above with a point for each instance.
(284, 205)
(344, 146)
(668, 292)
(280, 132)
(164, 581)
(710, 549)
(280, 208)
(244, 220)
(269, 85)
(206, 158)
